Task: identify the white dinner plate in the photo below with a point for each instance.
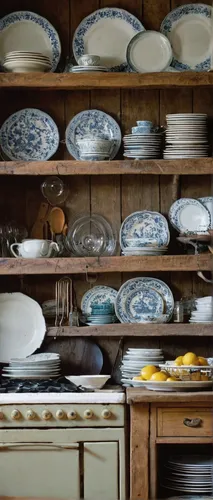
(149, 51)
(106, 33)
(24, 30)
(189, 215)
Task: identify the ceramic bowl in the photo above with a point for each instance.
(89, 381)
(142, 129)
(94, 145)
(94, 156)
(89, 60)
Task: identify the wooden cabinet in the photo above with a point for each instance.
(163, 418)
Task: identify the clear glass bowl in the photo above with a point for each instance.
(91, 236)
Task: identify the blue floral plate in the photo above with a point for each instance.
(189, 31)
(96, 123)
(29, 135)
(24, 30)
(97, 295)
(107, 33)
(148, 227)
(188, 215)
(138, 302)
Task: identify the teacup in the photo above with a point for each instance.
(35, 249)
(89, 60)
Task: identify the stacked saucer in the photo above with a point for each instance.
(39, 366)
(135, 359)
(203, 312)
(143, 146)
(24, 62)
(188, 474)
(186, 136)
(89, 69)
(102, 314)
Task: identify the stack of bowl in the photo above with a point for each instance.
(102, 314)
(94, 148)
(26, 62)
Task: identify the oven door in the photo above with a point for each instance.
(41, 469)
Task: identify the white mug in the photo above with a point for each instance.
(34, 249)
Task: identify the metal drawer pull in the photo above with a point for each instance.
(192, 422)
(40, 445)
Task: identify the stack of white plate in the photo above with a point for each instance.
(135, 359)
(89, 69)
(186, 136)
(143, 146)
(188, 473)
(39, 366)
(204, 311)
(24, 62)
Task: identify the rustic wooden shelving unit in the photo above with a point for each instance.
(132, 330)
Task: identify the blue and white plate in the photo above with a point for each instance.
(24, 30)
(141, 306)
(188, 215)
(97, 295)
(107, 33)
(95, 123)
(189, 31)
(207, 201)
(138, 285)
(29, 135)
(149, 227)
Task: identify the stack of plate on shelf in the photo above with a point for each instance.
(189, 216)
(24, 62)
(89, 69)
(144, 233)
(186, 136)
(144, 300)
(143, 146)
(135, 359)
(102, 314)
(39, 366)
(204, 311)
(188, 473)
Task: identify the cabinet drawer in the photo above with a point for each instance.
(185, 422)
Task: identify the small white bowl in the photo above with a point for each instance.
(89, 60)
(89, 381)
(94, 145)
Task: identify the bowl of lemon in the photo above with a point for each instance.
(187, 372)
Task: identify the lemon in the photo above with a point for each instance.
(172, 379)
(137, 378)
(202, 361)
(190, 359)
(148, 371)
(158, 377)
(179, 361)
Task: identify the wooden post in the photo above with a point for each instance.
(139, 452)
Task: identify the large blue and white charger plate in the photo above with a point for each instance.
(189, 30)
(150, 227)
(133, 288)
(107, 33)
(29, 135)
(98, 295)
(188, 215)
(27, 31)
(96, 123)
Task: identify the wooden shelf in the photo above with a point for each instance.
(69, 81)
(133, 330)
(10, 266)
(199, 166)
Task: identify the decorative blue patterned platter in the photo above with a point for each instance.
(97, 295)
(144, 304)
(149, 227)
(188, 215)
(29, 135)
(25, 30)
(189, 31)
(107, 32)
(95, 123)
(130, 293)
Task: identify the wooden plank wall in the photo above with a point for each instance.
(112, 196)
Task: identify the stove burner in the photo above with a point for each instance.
(59, 385)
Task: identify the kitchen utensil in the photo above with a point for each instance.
(38, 226)
(63, 296)
(56, 219)
(34, 249)
(78, 356)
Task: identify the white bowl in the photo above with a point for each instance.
(26, 67)
(89, 381)
(94, 145)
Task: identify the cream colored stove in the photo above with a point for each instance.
(63, 445)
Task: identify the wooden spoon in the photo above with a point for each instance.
(56, 220)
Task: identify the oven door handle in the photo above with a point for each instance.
(71, 446)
